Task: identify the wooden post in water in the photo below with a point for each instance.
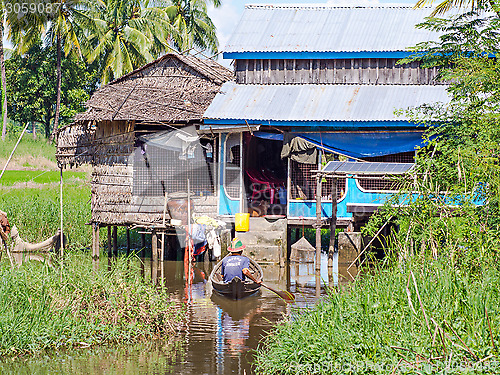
(154, 246)
(110, 253)
(333, 223)
(115, 241)
(95, 240)
(128, 241)
(143, 245)
(318, 221)
(162, 249)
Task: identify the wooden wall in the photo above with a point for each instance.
(112, 180)
(315, 71)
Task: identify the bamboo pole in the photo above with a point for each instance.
(318, 222)
(190, 250)
(61, 249)
(162, 251)
(12, 153)
(95, 240)
(333, 223)
(154, 246)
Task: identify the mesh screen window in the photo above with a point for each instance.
(157, 170)
(303, 183)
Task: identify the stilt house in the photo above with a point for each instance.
(314, 82)
(122, 132)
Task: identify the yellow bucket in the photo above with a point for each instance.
(242, 222)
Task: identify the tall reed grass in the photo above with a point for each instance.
(44, 307)
(419, 319)
(36, 212)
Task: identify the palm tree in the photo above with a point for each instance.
(446, 5)
(193, 26)
(66, 30)
(127, 34)
(61, 23)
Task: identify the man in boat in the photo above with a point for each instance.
(236, 264)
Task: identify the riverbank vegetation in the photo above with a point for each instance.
(432, 306)
(49, 306)
(423, 318)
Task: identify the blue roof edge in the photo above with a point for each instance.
(318, 55)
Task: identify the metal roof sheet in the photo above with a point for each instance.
(275, 28)
(320, 102)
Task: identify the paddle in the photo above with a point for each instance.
(283, 294)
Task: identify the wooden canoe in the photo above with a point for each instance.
(236, 289)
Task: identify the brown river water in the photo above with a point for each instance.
(220, 336)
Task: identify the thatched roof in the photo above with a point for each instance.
(173, 88)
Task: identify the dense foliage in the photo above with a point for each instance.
(31, 84)
(420, 319)
(452, 200)
(44, 307)
(56, 41)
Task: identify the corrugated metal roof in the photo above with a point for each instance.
(270, 28)
(320, 102)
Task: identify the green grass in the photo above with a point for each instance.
(43, 308)
(357, 332)
(41, 177)
(36, 212)
(28, 146)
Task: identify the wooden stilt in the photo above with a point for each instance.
(115, 241)
(318, 222)
(128, 241)
(95, 240)
(333, 223)
(143, 245)
(154, 246)
(110, 253)
(162, 247)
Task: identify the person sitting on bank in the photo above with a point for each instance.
(4, 227)
(237, 265)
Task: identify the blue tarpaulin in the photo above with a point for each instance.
(359, 144)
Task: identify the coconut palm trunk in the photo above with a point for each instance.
(58, 87)
(4, 82)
